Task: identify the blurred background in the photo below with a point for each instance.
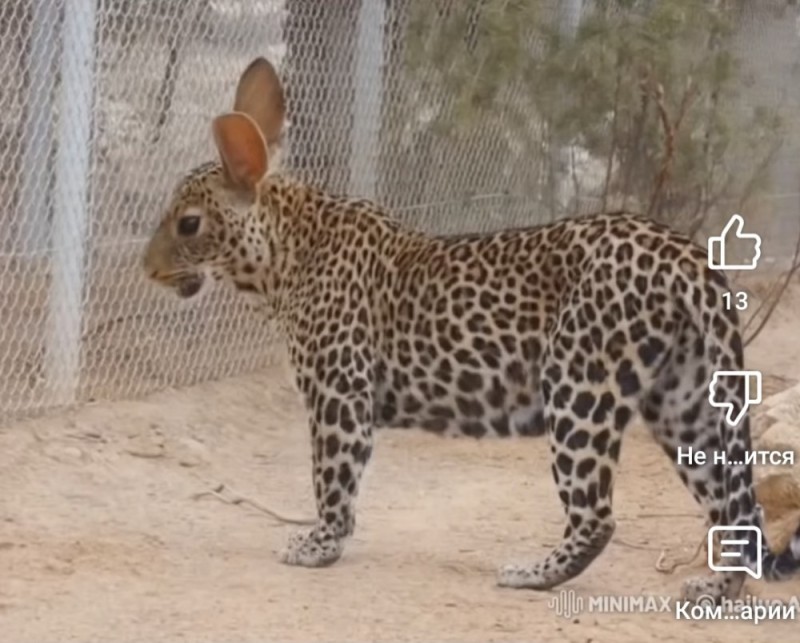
(460, 115)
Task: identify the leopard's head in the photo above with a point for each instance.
(214, 226)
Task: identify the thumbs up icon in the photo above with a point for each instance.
(719, 247)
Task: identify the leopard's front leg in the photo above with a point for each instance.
(341, 442)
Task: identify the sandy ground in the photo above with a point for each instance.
(101, 538)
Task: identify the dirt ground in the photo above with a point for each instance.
(102, 539)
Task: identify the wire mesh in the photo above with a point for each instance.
(105, 103)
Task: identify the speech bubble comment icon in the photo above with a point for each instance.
(752, 393)
(731, 549)
(732, 238)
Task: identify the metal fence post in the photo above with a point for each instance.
(70, 200)
(368, 99)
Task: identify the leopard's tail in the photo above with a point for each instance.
(724, 350)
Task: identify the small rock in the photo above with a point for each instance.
(65, 454)
(145, 446)
(154, 452)
(72, 452)
(190, 452)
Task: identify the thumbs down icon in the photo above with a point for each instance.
(752, 393)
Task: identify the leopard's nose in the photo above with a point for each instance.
(150, 268)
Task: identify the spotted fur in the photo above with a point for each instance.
(568, 330)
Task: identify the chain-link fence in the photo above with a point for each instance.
(436, 108)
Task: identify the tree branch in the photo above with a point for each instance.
(671, 129)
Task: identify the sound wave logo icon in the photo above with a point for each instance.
(566, 603)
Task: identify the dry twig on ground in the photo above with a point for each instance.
(232, 498)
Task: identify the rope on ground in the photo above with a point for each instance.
(219, 492)
(669, 568)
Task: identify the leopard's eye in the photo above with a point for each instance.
(188, 225)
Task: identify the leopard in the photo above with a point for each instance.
(567, 331)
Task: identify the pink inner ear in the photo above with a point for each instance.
(241, 147)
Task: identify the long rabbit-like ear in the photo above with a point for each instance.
(242, 149)
(259, 94)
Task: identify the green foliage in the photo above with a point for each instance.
(651, 87)
(474, 45)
